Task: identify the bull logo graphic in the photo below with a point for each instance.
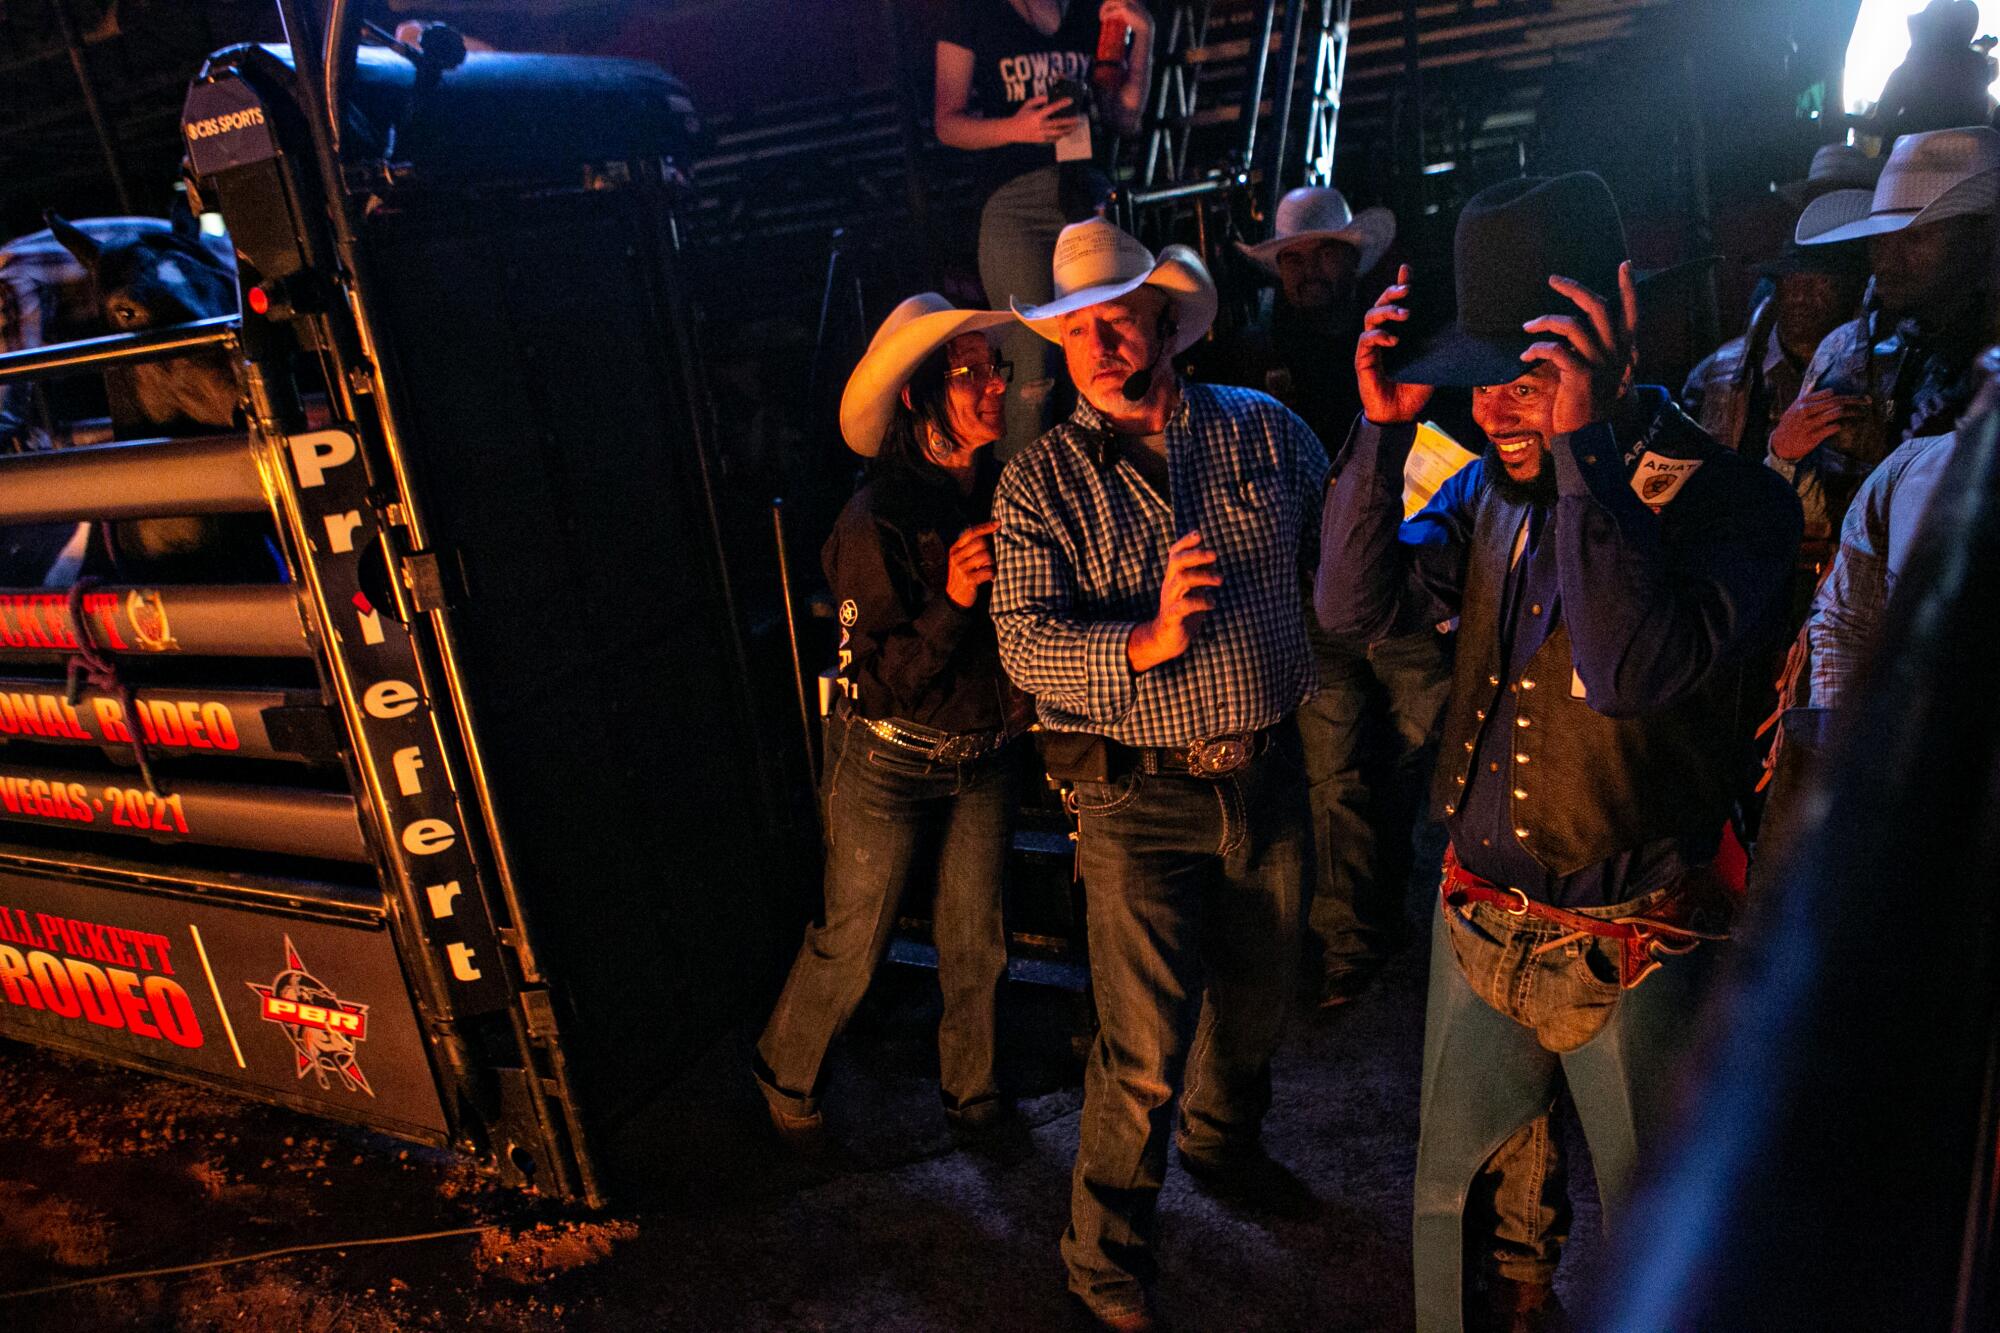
(323, 1029)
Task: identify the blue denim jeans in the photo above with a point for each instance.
(1368, 738)
(884, 808)
(1192, 894)
(1017, 248)
(1516, 1012)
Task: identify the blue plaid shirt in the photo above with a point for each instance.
(1082, 550)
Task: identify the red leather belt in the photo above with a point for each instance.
(1645, 940)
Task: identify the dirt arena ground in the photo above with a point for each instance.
(106, 1172)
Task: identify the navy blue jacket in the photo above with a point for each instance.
(1596, 731)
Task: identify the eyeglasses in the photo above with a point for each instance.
(983, 375)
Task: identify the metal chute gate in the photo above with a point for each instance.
(457, 829)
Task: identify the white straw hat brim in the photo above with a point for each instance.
(1847, 215)
(1179, 273)
(868, 403)
(1371, 233)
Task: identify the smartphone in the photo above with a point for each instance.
(1076, 145)
(1076, 94)
(1431, 311)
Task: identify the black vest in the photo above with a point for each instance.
(1594, 785)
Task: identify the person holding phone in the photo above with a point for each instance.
(1011, 87)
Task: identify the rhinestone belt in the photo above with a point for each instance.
(936, 747)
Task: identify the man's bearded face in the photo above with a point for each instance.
(1929, 267)
(1519, 421)
(1316, 273)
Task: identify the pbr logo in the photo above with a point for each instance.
(322, 1029)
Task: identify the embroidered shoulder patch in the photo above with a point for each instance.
(1658, 479)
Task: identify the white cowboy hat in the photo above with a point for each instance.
(914, 329)
(1835, 166)
(1929, 177)
(1096, 262)
(1312, 213)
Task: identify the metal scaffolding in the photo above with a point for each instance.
(1177, 68)
(1329, 74)
(1214, 67)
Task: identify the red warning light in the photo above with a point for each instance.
(260, 300)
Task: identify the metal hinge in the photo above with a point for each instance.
(309, 730)
(424, 577)
(539, 1013)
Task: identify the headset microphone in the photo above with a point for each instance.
(1140, 382)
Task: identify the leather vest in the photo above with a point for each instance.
(1584, 786)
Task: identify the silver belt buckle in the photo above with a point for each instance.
(1218, 755)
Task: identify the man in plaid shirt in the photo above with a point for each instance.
(1147, 595)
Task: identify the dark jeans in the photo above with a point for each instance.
(1192, 890)
(1368, 738)
(884, 808)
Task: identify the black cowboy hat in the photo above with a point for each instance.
(1512, 238)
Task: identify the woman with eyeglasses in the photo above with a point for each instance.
(919, 767)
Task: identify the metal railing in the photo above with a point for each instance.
(114, 349)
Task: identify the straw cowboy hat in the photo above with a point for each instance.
(1835, 166)
(1929, 177)
(1511, 238)
(1096, 262)
(914, 329)
(1315, 213)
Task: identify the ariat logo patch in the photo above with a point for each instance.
(1658, 479)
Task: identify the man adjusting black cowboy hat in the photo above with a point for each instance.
(1611, 567)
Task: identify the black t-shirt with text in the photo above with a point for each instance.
(1011, 63)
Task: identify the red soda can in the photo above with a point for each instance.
(1108, 70)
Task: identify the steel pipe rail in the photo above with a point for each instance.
(187, 620)
(324, 826)
(144, 870)
(243, 724)
(1216, 184)
(118, 349)
(209, 474)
